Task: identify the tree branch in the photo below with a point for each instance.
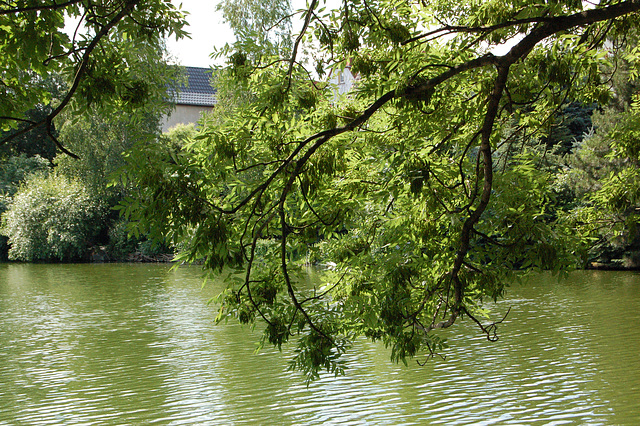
(296, 45)
(80, 72)
(53, 6)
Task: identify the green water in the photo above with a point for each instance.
(136, 344)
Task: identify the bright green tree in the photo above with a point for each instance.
(405, 186)
(100, 139)
(262, 27)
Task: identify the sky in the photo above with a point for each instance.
(206, 28)
(207, 31)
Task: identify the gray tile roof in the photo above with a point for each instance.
(198, 90)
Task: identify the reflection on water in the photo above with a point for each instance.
(136, 344)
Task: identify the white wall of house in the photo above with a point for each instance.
(184, 114)
(343, 80)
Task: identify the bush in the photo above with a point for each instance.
(51, 218)
(15, 170)
(153, 248)
(121, 244)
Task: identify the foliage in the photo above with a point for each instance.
(100, 138)
(177, 136)
(13, 172)
(397, 186)
(105, 63)
(120, 242)
(100, 141)
(409, 186)
(50, 218)
(570, 126)
(36, 142)
(263, 31)
(598, 182)
(420, 189)
(603, 177)
(124, 236)
(263, 27)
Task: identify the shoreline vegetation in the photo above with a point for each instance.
(628, 261)
(101, 255)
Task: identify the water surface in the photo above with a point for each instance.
(137, 344)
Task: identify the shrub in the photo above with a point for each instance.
(153, 248)
(51, 218)
(15, 170)
(121, 244)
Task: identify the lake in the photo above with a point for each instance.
(132, 344)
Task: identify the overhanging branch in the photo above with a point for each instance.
(80, 72)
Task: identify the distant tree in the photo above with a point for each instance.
(598, 181)
(100, 140)
(603, 179)
(176, 137)
(263, 27)
(15, 170)
(570, 126)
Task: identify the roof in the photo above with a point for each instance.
(198, 90)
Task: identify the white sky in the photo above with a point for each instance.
(205, 26)
(206, 29)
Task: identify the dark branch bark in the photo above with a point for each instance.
(287, 279)
(486, 153)
(52, 6)
(296, 45)
(562, 23)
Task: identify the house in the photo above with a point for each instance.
(343, 80)
(193, 98)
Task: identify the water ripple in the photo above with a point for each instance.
(124, 344)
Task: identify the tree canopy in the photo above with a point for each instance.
(106, 59)
(422, 189)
